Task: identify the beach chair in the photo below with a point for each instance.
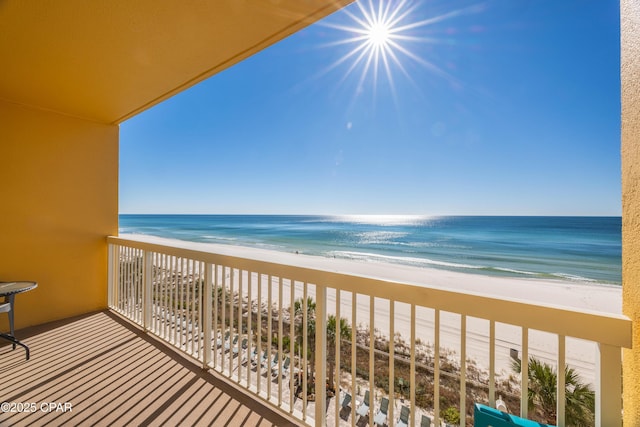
(346, 400)
(380, 418)
(363, 409)
(244, 347)
(228, 345)
(285, 367)
(272, 364)
(265, 355)
(252, 356)
(220, 340)
(425, 421)
(403, 419)
(484, 416)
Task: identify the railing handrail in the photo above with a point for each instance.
(606, 328)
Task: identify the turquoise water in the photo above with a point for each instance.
(584, 249)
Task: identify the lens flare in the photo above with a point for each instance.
(385, 35)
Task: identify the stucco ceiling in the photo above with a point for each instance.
(107, 60)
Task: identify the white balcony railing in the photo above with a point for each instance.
(239, 317)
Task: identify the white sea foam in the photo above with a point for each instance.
(366, 256)
(574, 278)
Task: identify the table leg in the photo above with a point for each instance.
(15, 342)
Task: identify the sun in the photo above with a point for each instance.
(385, 36)
(378, 35)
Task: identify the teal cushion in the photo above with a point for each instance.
(485, 416)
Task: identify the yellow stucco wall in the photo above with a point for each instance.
(59, 201)
(630, 74)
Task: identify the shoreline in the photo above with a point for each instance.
(590, 296)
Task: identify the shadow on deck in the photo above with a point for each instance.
(113, 374)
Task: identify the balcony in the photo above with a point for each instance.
(226, 339)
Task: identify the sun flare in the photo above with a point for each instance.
(385, 36)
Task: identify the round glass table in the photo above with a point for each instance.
(9, 290)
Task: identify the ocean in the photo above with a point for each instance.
(577, 249)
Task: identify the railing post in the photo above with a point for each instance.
(206, 310)
(608, 386)
(147, 280)
(110, 274)
(321, 354)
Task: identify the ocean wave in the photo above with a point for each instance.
(366, 256)
(573, 277)
(228, 239)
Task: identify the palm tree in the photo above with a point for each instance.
(333, 329)
(298, 308)
(579, 397)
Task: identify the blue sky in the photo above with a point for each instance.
(500, 107)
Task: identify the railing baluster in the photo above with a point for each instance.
(240, 332)
(223, 320)
(132, 286)
(372, 355)
(270, 332)
(292, 341)
(259, 327)
(147, 283)
(216, 333)
(463, 370)
(354, 301)
(187, 279)
(337, 338)
(199, 312)
(232, 279)
(249, 325)
(162, 292)
(412, 366)
(436, 367)
(173, 287)
(321, 354)
(561, 382)
(110, 275)
(191, 292)
(492, 363)
(524, 374)
(206, 307)
(392, 347)
(305, 368)
(154, 293)
(280, 331)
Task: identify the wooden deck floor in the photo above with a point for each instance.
(110, 373)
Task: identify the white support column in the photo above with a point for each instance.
(608, 386)
(147, 281)
(321, 355)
